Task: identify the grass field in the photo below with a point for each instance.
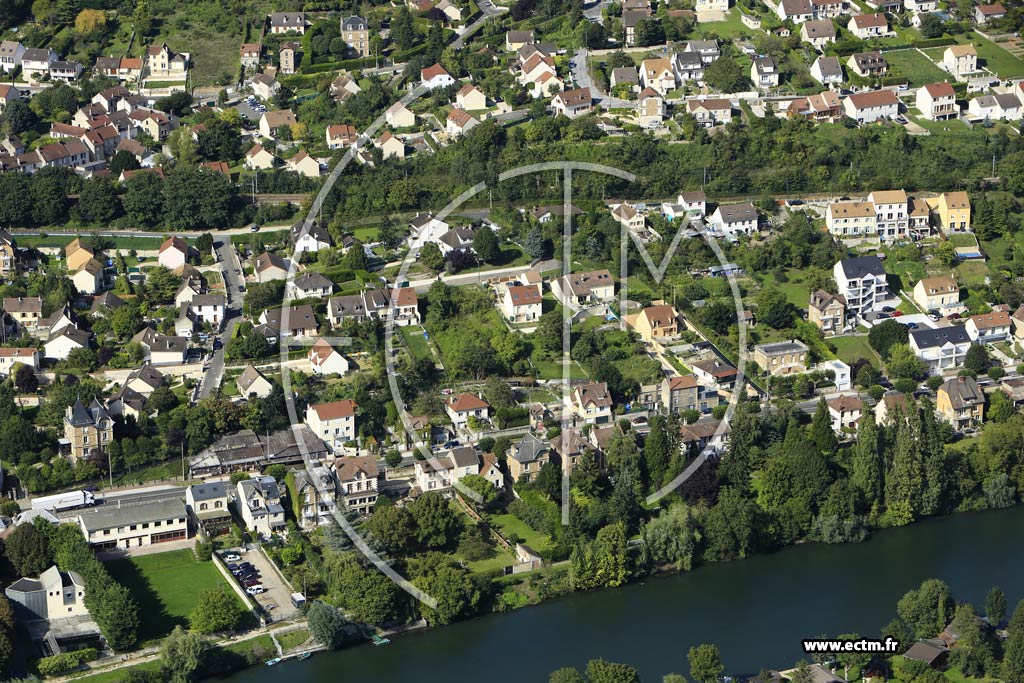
(122, 243)
(915, 67)
(849, 349)
(413, 337)
(293, 639)
(166, 586)
(994, 58)
(552, 369)
(510, 524)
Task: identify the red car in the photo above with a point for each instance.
(953, 316)
(897, 313)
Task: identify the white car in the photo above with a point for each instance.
(255, 590)
(232, 557)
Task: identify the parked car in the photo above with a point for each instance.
(251, 582)
(882, 316)
(230, 557)
(232, 567)
(888, 309)
(953, 316)
(255, 589)
(897, 314)
(911, 326)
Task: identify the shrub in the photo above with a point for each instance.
(66, 661)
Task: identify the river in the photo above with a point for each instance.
(756, 610)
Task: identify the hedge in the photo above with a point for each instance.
(66, 661)
(933, 42)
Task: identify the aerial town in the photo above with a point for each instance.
(327, 322)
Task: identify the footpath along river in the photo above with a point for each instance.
(756, 610)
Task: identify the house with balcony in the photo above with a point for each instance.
(764, 72)
(961, 403)
(461, 407)
(960, 61)
(987, 328)
(527, 456)
(937, 101)
(862, 281)
(892, 213)
(845, 412)
(315, 491)
(522, 303)
(684, 393)
(849, 219)
(258, 503)
(590, 402)
(827, 312)
(657, 322)
(943, 349)
(868, 64)
(871, 106)
(710, 111)
(734, 219)
(584, 289)
(334, 423)
(952, 211)
(940, 294)
(358, 482)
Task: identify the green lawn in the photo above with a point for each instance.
(122, 243)
(166, 470)
(502, 558)
(994, 58)
(412, 335)
(642, 368)
(293, 639)
(166, 586)
(849, 349)
(552, 369)
(116, 675)
(915, 67)
(973, 273)
(511, 525)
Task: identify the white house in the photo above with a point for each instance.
(461, 407)
(988, 327)
(827, 70)
(943, 349)
(590, 402)
(309, 285)
(334, 423)
(937, 101)
(960, 60)
(522, 303)
(871, 106)
(734, 219)
(863, 282)
(399, 116)
(252, 383)
(866, 26)
(325, 359)
(259, 505)
(434, 77)
(845, 413)
(208, 308)
(60, 344)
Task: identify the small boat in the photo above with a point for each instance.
(272, 662)
(378, 641)
(304, 656)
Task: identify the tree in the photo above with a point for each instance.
(822, 434)
(367, 595)
(123, 160)
(183, 655)
(143, 199)
(161, 285)
(449, 583)
(601, 671)
(90, 22)
(903, 363)
(25, 378)
(725, 75)
(927, 609)
(672, 537)
(1000, 408)
(886, 334)
(327, 625)
(27, 550)
(1013, 658)
(394, 527)
(355, 257)
(773, 309)
(431, 257)
(566, 674)
(977, 360)
(98, 201)
(436, 523)
(995, 606)
(868, 461)
(932, 26)
(705, 663)
(17, 118)
(215, 611)
(536, 245)
(486, 246)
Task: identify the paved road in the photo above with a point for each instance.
(488, 10)
(479, 277)
(231, 269)
(581, 75)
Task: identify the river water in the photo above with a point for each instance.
(756, 610)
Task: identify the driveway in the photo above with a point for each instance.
(231, 270)
(277, 598)
(487, 10)
(581, 76)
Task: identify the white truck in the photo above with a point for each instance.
(64, 501)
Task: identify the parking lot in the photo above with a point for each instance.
(277, 598)
(249, 111)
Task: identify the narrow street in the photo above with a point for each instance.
(231, 271)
